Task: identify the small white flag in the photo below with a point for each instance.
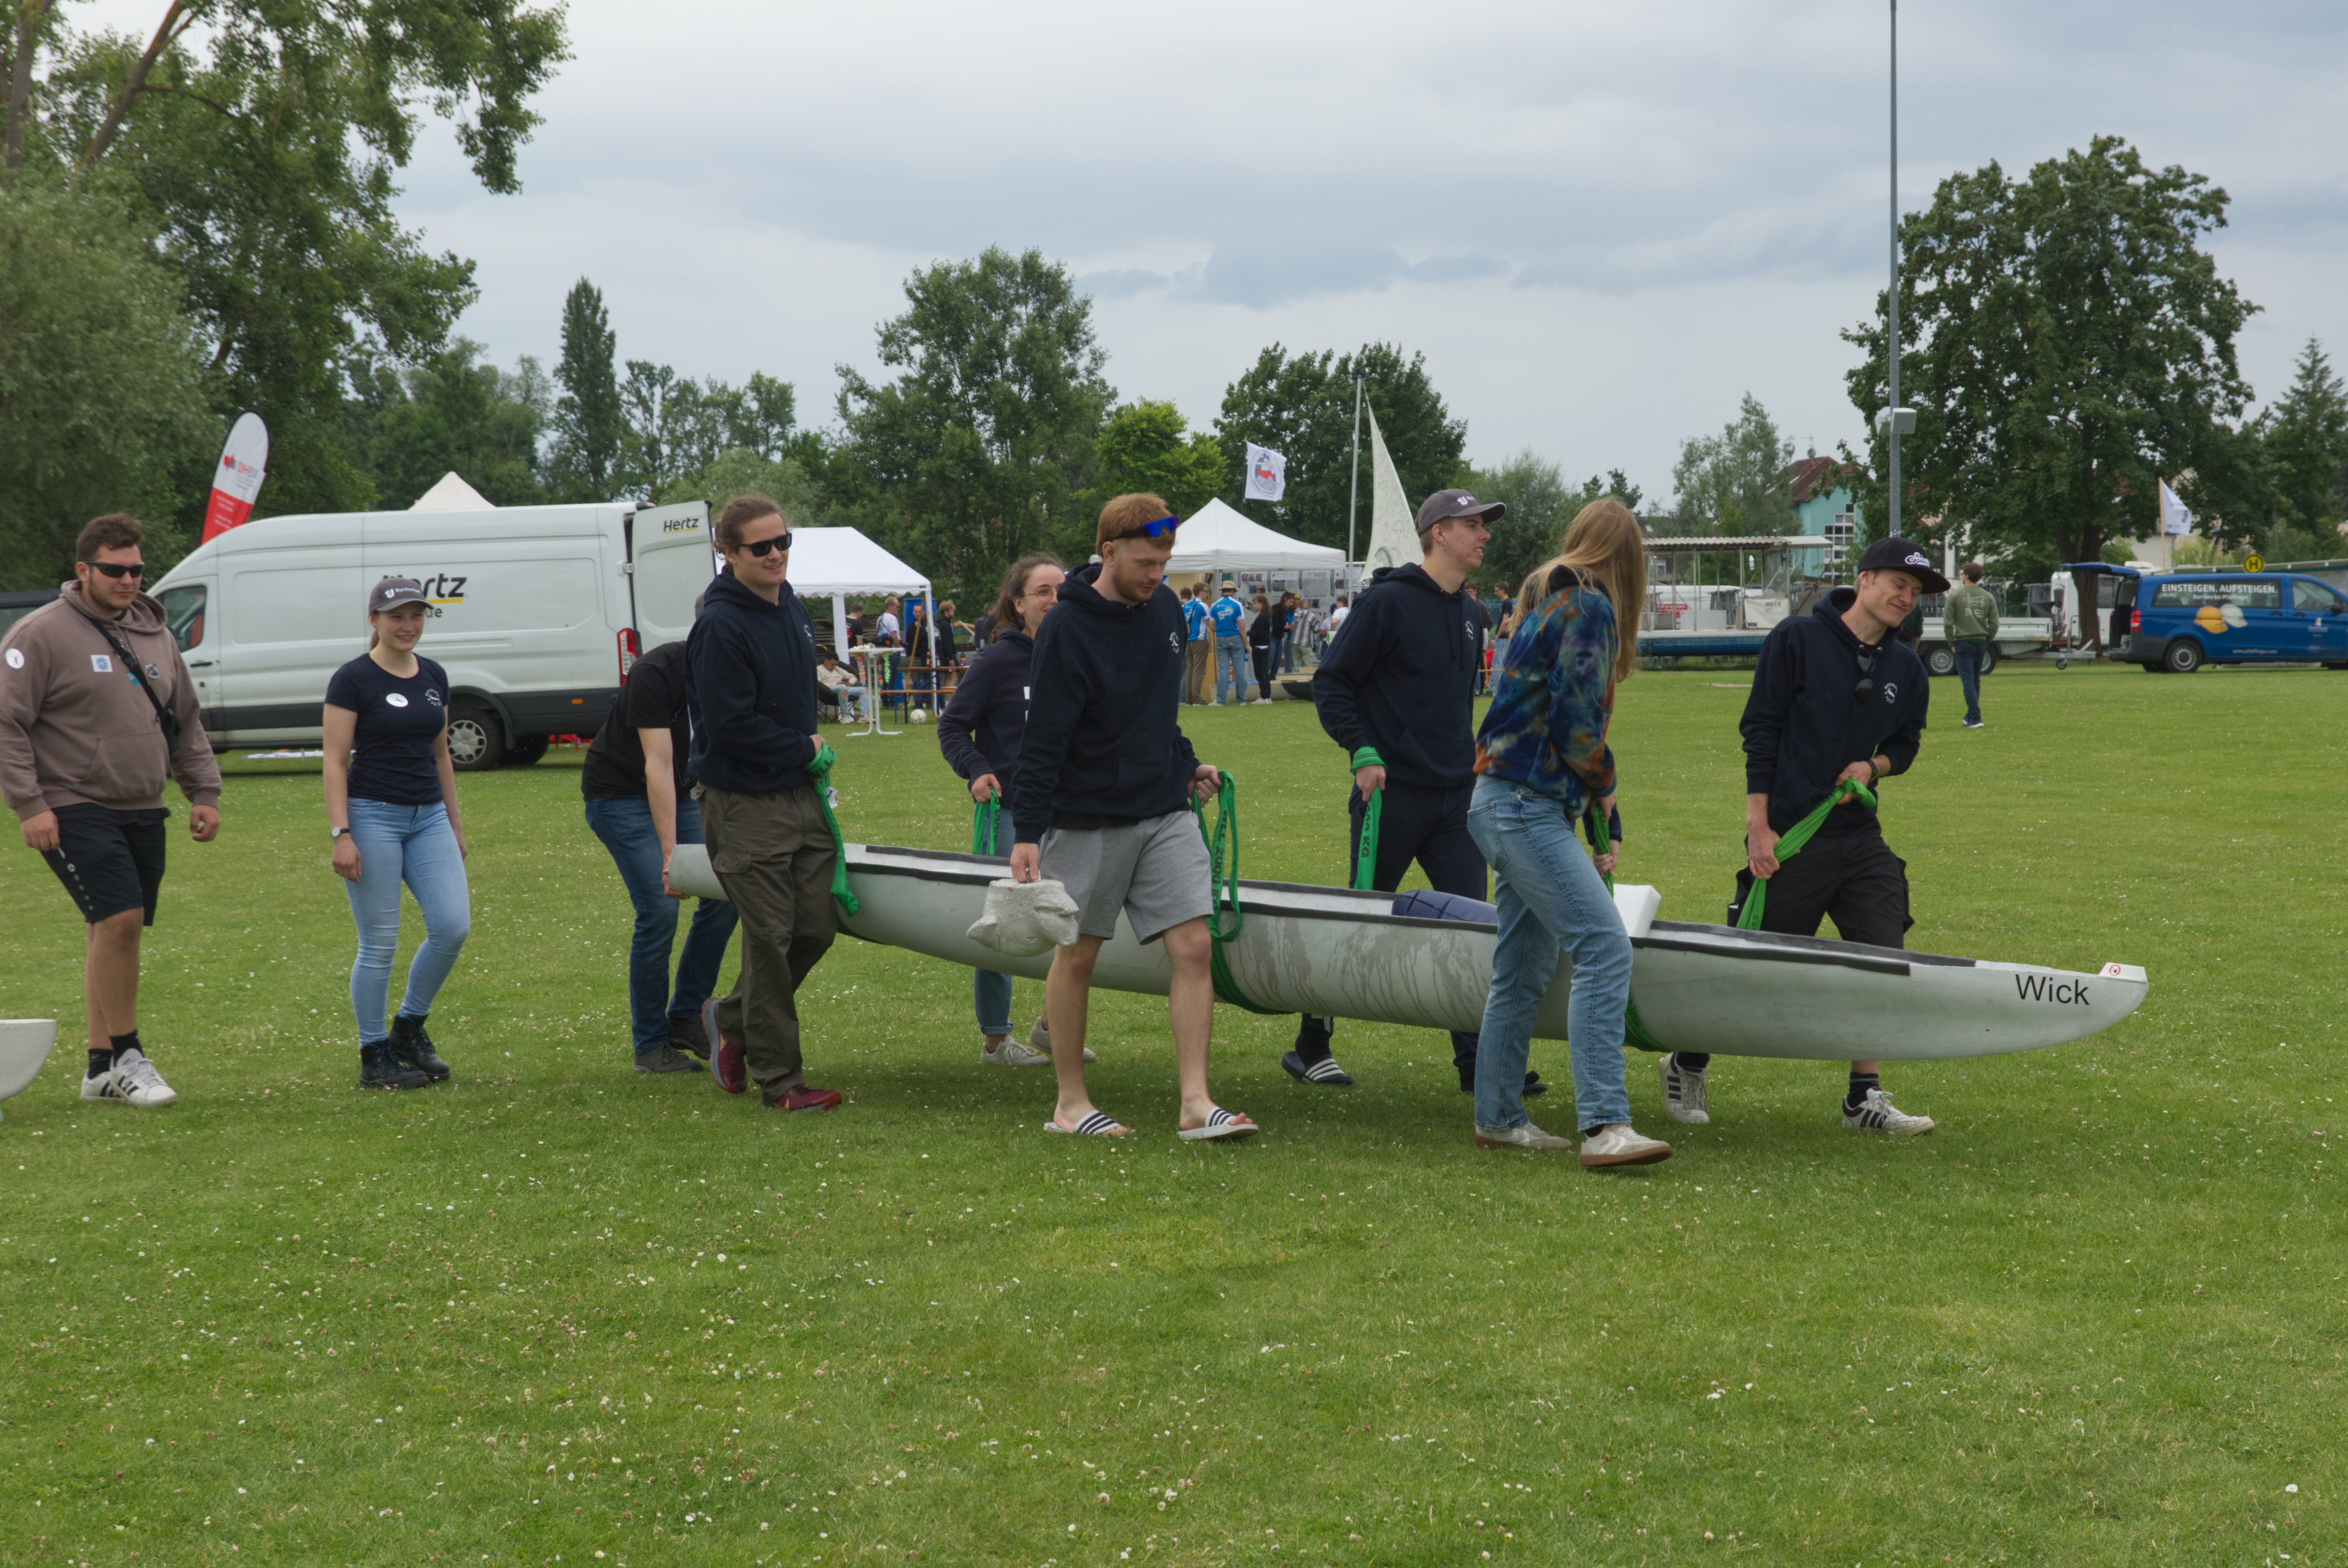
(2174, 518)
(1267, 474)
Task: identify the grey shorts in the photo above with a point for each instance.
(1154, 871)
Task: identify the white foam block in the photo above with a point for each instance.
(1637, 905)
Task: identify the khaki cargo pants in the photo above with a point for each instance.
(1197, 666)
(773, 856)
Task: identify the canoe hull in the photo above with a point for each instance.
(1334, 951)
(25, 1045)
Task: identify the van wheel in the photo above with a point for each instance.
(2183, 658)
(526, 751)
(477, 741)
(1988, 658)
(1941, 660)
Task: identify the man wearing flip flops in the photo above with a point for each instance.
(1105, 782)
(1835, 696)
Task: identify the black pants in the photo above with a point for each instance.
(1430, 826)
(1850, 877)
(110, 861)
(1261, 657)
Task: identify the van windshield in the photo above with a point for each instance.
(2242, 592)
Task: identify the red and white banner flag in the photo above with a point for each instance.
(1267, 474)
(236, 483)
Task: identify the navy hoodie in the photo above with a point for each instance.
(751, 666)
(1102, 745)
(992, 702)
(1804, 722)
(1401, 677)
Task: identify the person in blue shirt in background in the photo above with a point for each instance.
(1197, 652)
(1230, 618)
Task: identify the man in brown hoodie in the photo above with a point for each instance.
(95, 708)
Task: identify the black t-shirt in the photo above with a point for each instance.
(392, 752)
(653, 699)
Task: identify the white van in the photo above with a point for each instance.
(536, 613)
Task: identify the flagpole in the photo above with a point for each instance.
(1354, 499)
(1894, 529)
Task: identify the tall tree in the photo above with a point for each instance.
(590, 427)
(1540, 504)
(974, 453)
(262, 146)
(450, 415)
(1146, 446)
(102, 406)
(2068, 344)
(1303, 407)
(2304, 442)
(1735, 482)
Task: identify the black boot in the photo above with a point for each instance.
(414, 1048)
(381, 1067)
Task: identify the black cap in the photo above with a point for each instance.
(1897, 554)
(394, 591)
(1446, 504)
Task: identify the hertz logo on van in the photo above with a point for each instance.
(441, 589)
(681, 525)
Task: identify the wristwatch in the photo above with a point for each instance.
(334, 833)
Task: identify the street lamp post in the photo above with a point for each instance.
(1894, 522)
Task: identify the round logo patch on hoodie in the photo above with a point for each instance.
(15, 659)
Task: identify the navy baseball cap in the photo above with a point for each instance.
(1896, 554)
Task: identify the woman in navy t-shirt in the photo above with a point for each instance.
(391, 802)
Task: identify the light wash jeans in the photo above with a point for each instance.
(1551, 898)
(990, 989)
(626, 826)
(415, 845)
(1232, 664)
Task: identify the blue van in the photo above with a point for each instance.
(2182, 621)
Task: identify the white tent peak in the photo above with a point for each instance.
(835, 563)
(450, 494)
(1217, 538)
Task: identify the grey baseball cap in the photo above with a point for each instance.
(1457, 504)
(394, 591)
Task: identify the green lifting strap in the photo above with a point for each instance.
(819, 772)
(1365, 854)
(1749, 917)
(1224, 916)
(983, 815)
(1634, 1031)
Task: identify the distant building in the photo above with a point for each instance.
(1825, 505)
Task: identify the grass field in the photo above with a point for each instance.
(554, 1311)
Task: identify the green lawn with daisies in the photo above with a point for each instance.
(557, 1312)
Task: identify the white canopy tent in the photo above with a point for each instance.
(836, 562)
(1218, 538)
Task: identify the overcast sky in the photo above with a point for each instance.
(1601, 224)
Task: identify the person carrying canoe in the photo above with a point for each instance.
(1106, 781)
(1836, 697)
(1398, 693)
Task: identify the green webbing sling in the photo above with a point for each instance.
(1600, 840)
(1365, 854)
(819, 772)
(982, 816)
(1224, 916)
(1748, 919)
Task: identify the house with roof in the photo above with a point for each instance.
(1824, 505)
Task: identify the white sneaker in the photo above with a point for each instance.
(1040, 1039)
(1524, 1135)
(1684, 1096)
(1009, 1052)
(135, 1081)
(1616, 1144)
(1877, 1114)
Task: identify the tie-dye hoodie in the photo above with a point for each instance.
(1552, 697)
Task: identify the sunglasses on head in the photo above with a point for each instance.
(781, 541)
(118, 569)
(1163, 529)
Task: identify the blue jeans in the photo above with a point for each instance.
(1969, 652)
(415, 845)
(1231, 665)
(990, 990)
(1552, 899)
(626, 826)
(1279, 660)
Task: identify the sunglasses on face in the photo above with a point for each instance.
(1163, 529)
(781, 541)
(118, 569)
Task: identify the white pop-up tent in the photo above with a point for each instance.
(1216, 539)
(832, 563)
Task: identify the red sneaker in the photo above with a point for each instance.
(805, 1099)
(725, 1056)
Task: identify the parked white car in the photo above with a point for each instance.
(535, 612)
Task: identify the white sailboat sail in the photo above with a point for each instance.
(1393, 534)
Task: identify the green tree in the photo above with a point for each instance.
(450, 415)
(1736, 483)
(2303, 447)
(591, 425)
(2068, 344)
(1303, 409)
(678, 428)
(262, 151)
(1540, 505)
(740, 471)
(102, 406)
(975, 453)
(1146, 446)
